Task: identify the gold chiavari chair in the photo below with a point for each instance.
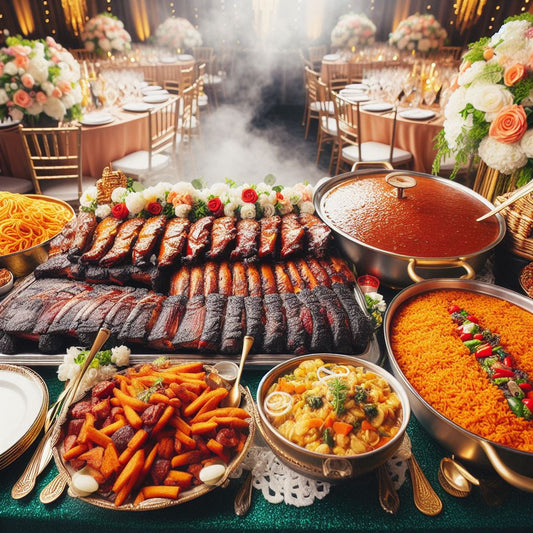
(55, 160)
(313, 105)
(327, 125)
(82, 54)
(162, 132)
(351, 147)
(316, 54)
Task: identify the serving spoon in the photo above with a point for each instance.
(233, 399)
(455, 479)
(513, 198)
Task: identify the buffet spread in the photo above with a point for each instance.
(178, 278)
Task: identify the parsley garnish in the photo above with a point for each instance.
(144, 396)
(338, 390)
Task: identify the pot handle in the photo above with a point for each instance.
(452, 263)
(337, 468)
(371, 164)
(513, 478)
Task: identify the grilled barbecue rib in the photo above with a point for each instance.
(223, 234)
(247, 236)
(173, 241)
(198, 239)
(147, 240)
(318, 234)
(292, 236)
(122, 245)
(268, 238)
(85, 226)
(104, 236)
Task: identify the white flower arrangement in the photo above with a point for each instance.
(38, 77)
(103, 366)
(176, 32)
(182, 199)
(353, 30)
(105, 34)
(487, 112)
(422, 33)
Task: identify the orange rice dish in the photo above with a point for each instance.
(442, 370)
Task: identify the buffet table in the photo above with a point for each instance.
(350, 506)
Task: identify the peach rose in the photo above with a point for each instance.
(41, 97)
(22, 62)
(509, 125)
(64, 86)
(56, 91)
(27, 80)
(176, 198)
(514, 74)
(22, 99)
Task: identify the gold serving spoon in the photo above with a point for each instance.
(42, 455)
(513, 198)
(233, 399)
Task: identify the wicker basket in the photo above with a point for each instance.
(519, 218)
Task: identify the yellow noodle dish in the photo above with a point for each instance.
(334, 408)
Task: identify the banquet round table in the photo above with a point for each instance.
(415, 136)
(101, 144)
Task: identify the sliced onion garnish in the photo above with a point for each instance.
(278, 403)
(330, 374)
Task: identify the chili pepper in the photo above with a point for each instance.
(508, 361)
(484, 351)
(465, 336)
(528, 402)
(472, 318)
(530, 394)
(526, 387)
(516, 405)
(502, 373)
(453, 309)
(472, 344)
(478, 336)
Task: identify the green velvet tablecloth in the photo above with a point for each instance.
(350, 506)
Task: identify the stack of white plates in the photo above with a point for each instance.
(23, 406)
(150, 88)
(417, 114)
(97, 118)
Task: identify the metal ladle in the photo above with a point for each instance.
(233, 399)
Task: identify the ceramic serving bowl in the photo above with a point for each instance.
(327, 467)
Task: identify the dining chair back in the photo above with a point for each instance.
(337, 75)
(327, 124)
(55, 160)
(162, 131)
(352, 149)
(213, 80)
(82, 54)
(312, 99)
(316, 54)
(9, 183)
(188, 127)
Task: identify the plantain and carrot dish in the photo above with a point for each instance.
(470, 357)
(150, 431)
(332, 408)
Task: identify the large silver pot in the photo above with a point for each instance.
(507, 462)
(327, 467)
(394, 269)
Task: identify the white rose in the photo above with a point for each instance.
(182, 210)
(47, 87)
(38, 68)
(10, 68)
(424, 45)
(456, 103)
(89, 45)
(54, 108)
(453, 128)
(117, 195)
(120, 355)
(268, 210)
(219, 189)
(248, 210)
(105, 45)
(88, 196)
(471, 73)
(35, 108)
(135, 202)
(489, 98)
(102, 211)
(526, 143)
(16, 114)
(307, 207)
(229, 209)
(505, 158)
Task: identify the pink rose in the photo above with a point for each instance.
(22, 61)
(57, 92)
(64, 87)
(27, 80)
(22, 99)
(41, 97)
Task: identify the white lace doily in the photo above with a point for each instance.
(280, 484)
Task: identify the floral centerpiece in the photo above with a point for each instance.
(488, 113)
(105, 34)
(175, 32)
(183, 199)
(353, 30)
(38, 78)
(422, 33)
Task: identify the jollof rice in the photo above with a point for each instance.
(448, 377)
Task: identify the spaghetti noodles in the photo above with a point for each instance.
(26, 222)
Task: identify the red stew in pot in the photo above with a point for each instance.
(431, 220)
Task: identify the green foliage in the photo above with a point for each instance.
(492, 73)
(144, 396)
(522, 89)
(199, 210)
(523, 16)
(475, 50)
(101, 358)
(198, 184)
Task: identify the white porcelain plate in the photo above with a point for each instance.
(417, 114)
(377, 107)
(8, 122)
(156, 98)
(97, 118)
(331, 57)
(151, 88)
(185, 57)
(357, 86)
(21, 400)
(137, 107)
(356, 97)
(172, 59)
